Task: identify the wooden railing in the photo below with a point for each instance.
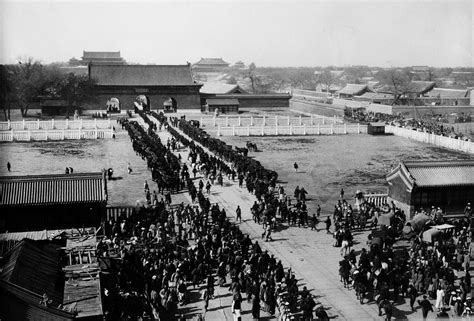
(258, 121)
(377, 199)
(430, 138)
(332, 129)
(38, 135)
(114, 213)
(56, 124)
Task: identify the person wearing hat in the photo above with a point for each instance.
(426, 306)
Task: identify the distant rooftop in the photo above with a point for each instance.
(101, 55)
(204, 62)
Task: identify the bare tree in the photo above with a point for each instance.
(396, 81)
(251, 74)
(5, 91)
(327, 79)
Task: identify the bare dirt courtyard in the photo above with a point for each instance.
(327, 163)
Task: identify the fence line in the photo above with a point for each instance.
(318, 129)
(268, 120)
(114, 213)
(377, 199)
(36, 135)
(55, 124)
(430, 138)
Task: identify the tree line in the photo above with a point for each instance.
(23, 83)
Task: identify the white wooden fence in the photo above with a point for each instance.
(242, 121)
(318, 129)
(56, 124)
(38, 135)
(430, 138)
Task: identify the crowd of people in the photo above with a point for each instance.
(431, 126)
(437, 270)
(164, 250)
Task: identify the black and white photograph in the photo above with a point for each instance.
(234, 160)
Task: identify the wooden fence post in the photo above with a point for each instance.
(288, 120)
(319, 131)
(240, 122)
(63, 134)
(263, 128)
(291, 130)
(312, 123)
(24, 125)
(11, 138)
(80, 122)
(332, 129)
(264, 121)
(226, 121)
(276, 120)
(214, 121)
(248, 130)
(46, 133)
(218, 130)
(358, 128)
(324, 119)
(29, 135)
(233, 130)
(9, 124)
(276, 129)
(251, 120)
(52, 123)
(304, 129)
(67, 123)
(301, 120)
(38, 123)
(345, 128)
(96, 133)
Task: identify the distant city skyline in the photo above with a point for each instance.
(268, 33)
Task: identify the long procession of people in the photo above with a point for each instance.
(369, 276)
(165, 249)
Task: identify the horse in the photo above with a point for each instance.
(244, 151)
(252, 146)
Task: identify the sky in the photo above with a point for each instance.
(269, 33)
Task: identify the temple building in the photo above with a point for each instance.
(414, 185)
(102, 57)
(210, 65)
(145, 86)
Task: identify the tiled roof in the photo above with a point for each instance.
(211, 61)
(35, 266)
(219, 88)
(447, 93)
(441, 173)
(52, 189)
(222, 102)
(353, 89)
(141, 75)
(372, 96)
(101, 55)
(421, 87)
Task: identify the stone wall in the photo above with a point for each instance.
(316, 108)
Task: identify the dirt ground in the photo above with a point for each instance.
(327, 163)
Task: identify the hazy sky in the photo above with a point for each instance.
(269, 33)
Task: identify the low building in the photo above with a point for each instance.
(52, 279)
(30, 203)
(102, 57)
(376, 129)
(351, 90)
(210, 65)
(422, 184)
(376, 98)
(153, 84)
(217, 88)
(224, 105)
(54, 106)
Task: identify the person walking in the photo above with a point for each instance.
(129, 169)
(426, 306)
(236, 306)
(295, 166)
(342, 193)
(9, 166)
(328, 225)
(238, 213)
